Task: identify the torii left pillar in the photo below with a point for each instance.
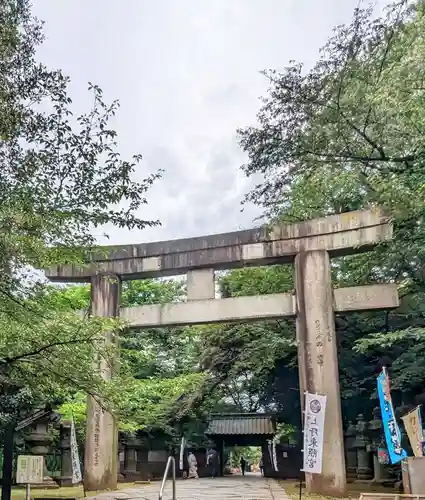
(100, 455)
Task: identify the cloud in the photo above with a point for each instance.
(187, 75)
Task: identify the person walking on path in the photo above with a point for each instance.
(262, 466)
(212, 462)
(243, 465)
(193, 466)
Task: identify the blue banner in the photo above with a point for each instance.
(391, 429)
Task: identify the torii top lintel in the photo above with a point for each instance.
(341, 234)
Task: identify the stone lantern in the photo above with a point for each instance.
(120, 457)
(131, 446)
(65, 478)
(361, 444)
(351, 452)
(38, 441)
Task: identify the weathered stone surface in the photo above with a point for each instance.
(100, 458)
(363, 298)
(210, 311)
(318, 364)
(254, 308)
(200, 284)
(339, 234)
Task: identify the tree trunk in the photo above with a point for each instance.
(6, 489)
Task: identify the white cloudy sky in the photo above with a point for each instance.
(187, 75)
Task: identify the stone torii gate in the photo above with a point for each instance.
(309, 245)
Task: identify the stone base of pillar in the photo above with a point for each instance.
(120, 477)
(364, 473)
(321, 486)
(131, 476)
(381, 480)
(144, 474)
(351, 476)
(363, 478)
(384, 482)
(366, 482)
(64, 481)
(398, 486)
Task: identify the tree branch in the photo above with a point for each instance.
(35, 352)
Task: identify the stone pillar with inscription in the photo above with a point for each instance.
(318, 364)
(101, 449)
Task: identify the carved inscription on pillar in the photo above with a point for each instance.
(319, 342)
(96, 434)
(100, 459)
(319, 374)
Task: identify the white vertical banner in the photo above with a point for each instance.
(314, 426)
(274, 455)
(182, 447)
(75, 458)
(269, 447)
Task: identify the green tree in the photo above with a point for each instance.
(157, 366)
(250, 367)
(356, 113)
(345, 135)
(62, 177)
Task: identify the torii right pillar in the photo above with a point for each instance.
(317, 345)
(318, 364)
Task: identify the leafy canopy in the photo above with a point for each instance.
(61, 179)
(61, 175)
(345, 135)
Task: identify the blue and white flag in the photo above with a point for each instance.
(391, 428)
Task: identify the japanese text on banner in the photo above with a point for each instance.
(413, 424)
(314, 424)
(391, 429)
(75, 458)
